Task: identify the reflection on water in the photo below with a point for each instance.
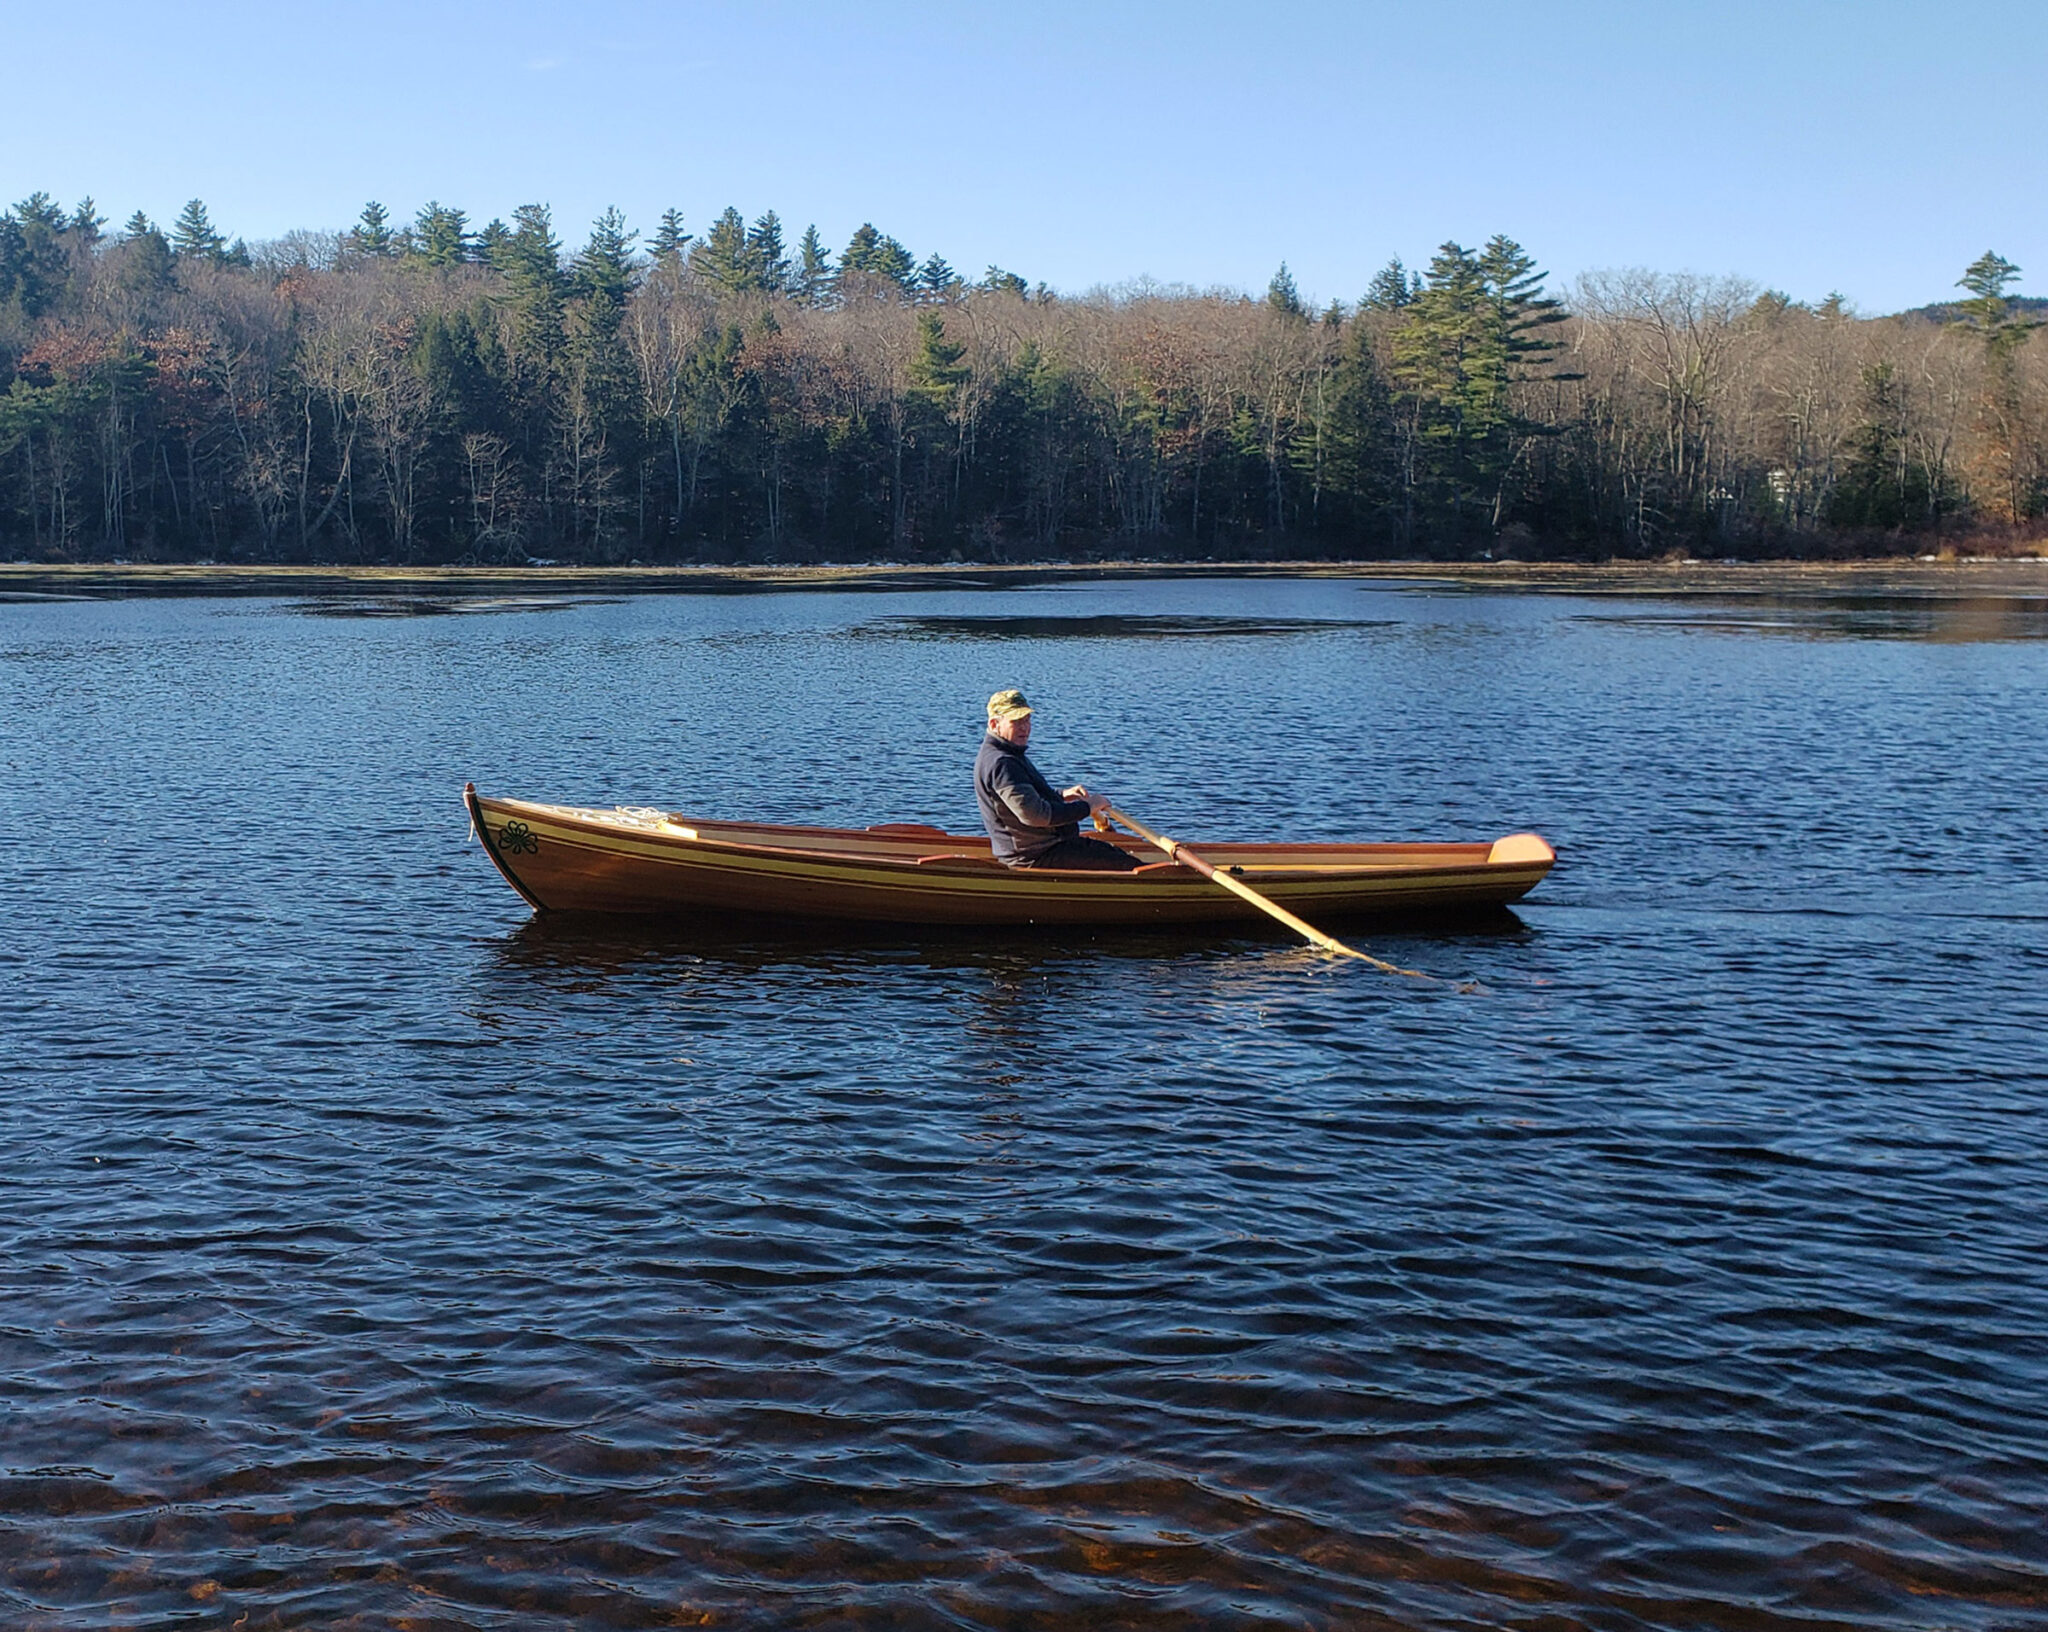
(437, 606)
(581, 946)
(372, 1255)
(1104, 626)
(1851, 617)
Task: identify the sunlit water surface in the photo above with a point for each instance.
(374, 1256)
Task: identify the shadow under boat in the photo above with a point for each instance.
(590, 943)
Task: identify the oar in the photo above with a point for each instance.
(1187, 858)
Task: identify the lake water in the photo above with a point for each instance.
(371, 1255)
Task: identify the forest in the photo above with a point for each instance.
(436, 392)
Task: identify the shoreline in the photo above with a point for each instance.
(2028, 576)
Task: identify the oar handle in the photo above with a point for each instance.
(1179, 852)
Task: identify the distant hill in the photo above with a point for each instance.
(1947, 311)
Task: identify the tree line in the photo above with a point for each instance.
(437, 392)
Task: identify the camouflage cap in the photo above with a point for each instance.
(1008, 705)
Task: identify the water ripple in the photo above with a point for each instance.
(372, 1256)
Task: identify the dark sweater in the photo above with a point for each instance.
(1023, 815)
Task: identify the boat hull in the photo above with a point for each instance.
(568, 859)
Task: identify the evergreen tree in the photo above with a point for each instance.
(1988, 312)
(1390, 289)
(41, 210)
(769, 261)
(998, 282)
(193, 237)
(936, 371)
(440, 236)
(897, 264)
(722, 257)
(812, 281)
(1282, 297)
(86, 222)
(144, 264)
(1518, 340)
(936, 280)
(1882, 484)
(603, 272)
(492, 242)
(1361, 460)
(35, 265)
(1475, 329)
(873, 255)
(669, 237)
(861, 249)
(531, 260)
(1454, 394)
(2002, 464)
(372, 235)
(600, 417)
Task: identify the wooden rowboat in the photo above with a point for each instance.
(561, 858)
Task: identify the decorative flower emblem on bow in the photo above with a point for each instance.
(516, 838)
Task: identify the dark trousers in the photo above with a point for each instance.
(1089, 855)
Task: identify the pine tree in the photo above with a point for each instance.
(41, 211)
(1475, 329)
(998, 282)
(193, 237)
(936, 280)
(1361, 462)
(897, 264)
(770, 262)
(86, 222)
(35, 264)
(812, 281)
(669, 237)
(599, 419)
(491, 242)
(872, 255)
(440, 236)
(531, 260)
(603, 272)
(1390, 288)
(1882, 485)
(144, 261)
(1988, 311)
(2001, 472)
(861, 249)
(1282, 297)
(1518, 340)
(721, 257)
(372, 235)
(936, 371)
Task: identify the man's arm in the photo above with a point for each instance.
(1031, 807)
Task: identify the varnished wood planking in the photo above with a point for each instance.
(569, 858)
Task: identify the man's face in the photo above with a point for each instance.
(1017, 731)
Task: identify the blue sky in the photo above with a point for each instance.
(1812, 145)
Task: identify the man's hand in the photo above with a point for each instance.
(1097, 802)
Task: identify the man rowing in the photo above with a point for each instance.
(1028, 824)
